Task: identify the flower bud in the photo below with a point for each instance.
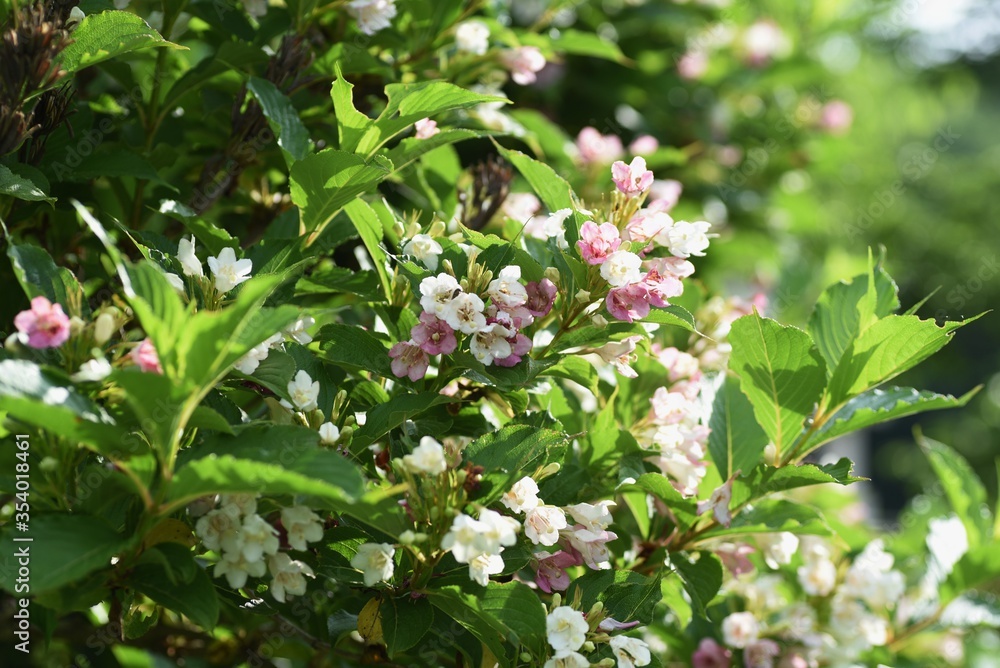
(549, 469)
(583, 297)
(419, 537)
(407, 537)
(75, 325)
(49, 464)
(596, 609)
(588, 646)
(13, 342)
(770, 452)
(104, 327)
(316, 418)
(599, 321)
(552, 274)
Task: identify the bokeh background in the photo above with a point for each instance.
(810, 133)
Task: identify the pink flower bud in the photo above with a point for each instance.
(45, 325)
(146, 357)
(711, 654)
(596, 148)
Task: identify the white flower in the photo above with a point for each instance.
(92, 371)
(249, 362)
(375, 561)
(818, 576)
(568, 660)
(428, 457)
(241, 505)
(176, 282)
(303, 391)
(630, 652)
(228, 271)
(236, 569)
(566, 629)
(465, 314)
(490, 343)
(483, 566)
(437, 293)
(872, 579)
(463, 538)
(497, 531)
(778, 548)
(520, 206)
(426, 249)
(542, 524)
(595, 518)
(372, 15)
(189, 261)
(740, 629)
(620, 353)
(621, 268)
(255, 8)
(685, 239)
(506, 290)
(302, 526)
(216, 526)
(523, 495)
(947, 541)
(297, 330)
(472, 37)
(255, 539)
(425, 128)
(288, 576)
(524, 63)
(328, 433)
(686, 474)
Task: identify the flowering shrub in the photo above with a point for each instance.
(352, 403)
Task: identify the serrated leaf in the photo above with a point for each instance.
(735, 441)
(765, 479)
(369, 228)
(195, 599)
(39, 276)
(21, 187)
(702, 578)
(353, 348)
(322, 183)
(551, 188)
(109, 34)
(674, 315)
(837, 318)
(877, 406)
(963, 488)
(405, 621)
(466, 609)
(886, 349)
(293, 138)
(385, 417)
(518, 608)
(683, 509)
(774, 516)
(781, 373)
(510, 453)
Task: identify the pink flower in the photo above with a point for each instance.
(596, 148)
(646, 225)
(661, 287)
(761, 654)
(598, 242)
(520, 345)
(550, 571)
(541, 296)
(426, 128)
(524, 63)
(664, 195)
(45, 324)
(718, 502)
(408, 360)
(629, 302)
(678, 364)
(836, 117)
(145, 356)
(644, 145)
(734, 557)
(609, 624)
(692, 65)
(632, 179)
(677, 266)
(711, 654)
(621, 354)
(433, 335)
(590, 546)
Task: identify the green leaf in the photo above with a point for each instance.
(765, 479)
(322, 183)
(781, 373)
(576, 369)
(293, 138)
(886, 349)
(877, 406)
(837, 319)
(683, 509)
(735, 441)
(369, 228)
(581, 43)
(467, 610)
(672, 315)
(21, 187)
(702, 577)
(551, 188)
(351, 123)
(963, 488)
(410, 150)
(408, 103)
(100, 37)
(774, 516)
(509, 454)
(977, 567)
(39, 276)
(196, 599)
(518, 608)
(405, 621)
(90, 541)
(386, 417)
(353, 348)
(115, 163)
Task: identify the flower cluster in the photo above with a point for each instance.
(249, 546)
(479, 542)
(569, 632)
